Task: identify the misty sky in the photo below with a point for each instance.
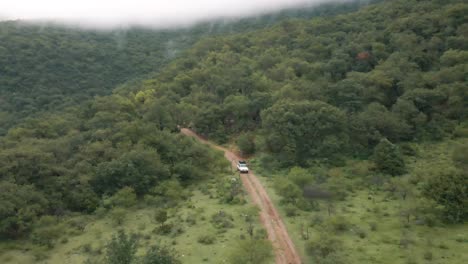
(157, 13)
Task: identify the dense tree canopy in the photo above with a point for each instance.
(311, 87)
(46, 67)
(303, 90)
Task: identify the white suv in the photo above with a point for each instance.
(242, 167)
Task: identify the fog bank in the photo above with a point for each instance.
(151, 13)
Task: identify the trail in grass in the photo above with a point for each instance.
(285, 251)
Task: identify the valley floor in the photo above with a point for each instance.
(193, 217)
(374, 228)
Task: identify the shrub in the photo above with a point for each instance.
(160, 255)
(301, 177)
(47, 231)
(125, 197)
(289, 191)
(252, 251)
(176, 230)
(47, 235)
(428, 255)
(323, 246)
(361, 233)
(461, 132)
(388, 158)
(118, 215)
(261, 234)
(156, 201)
(338, 224)
(449, 189)
(121, 249)
(290, 210)
(443, 246)
(206, 239)
(164, 229)
(86, 248)
(407, 149)
(461, 239)
(246, 144)
(222, 220)
(79, 223)
(316, 220)
(160, 216)
(191, 220)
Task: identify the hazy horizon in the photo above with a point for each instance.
(156, 13)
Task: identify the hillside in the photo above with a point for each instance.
(368, 105)
(46, 67)
(357, 120)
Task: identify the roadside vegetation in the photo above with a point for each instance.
(355, 214)
(202, 223)
(359, 118)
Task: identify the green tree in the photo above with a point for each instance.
(388, 158)
(302, 130)
(161, 255)
(252, 251)
(125, 197)
(246, 144)
(20, 206)
(121, 249)
(290, 192)
(326, 249)
(139, 169)
(160, 216)
(449, 188)
(300, 176)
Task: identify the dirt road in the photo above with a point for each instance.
(285, 251)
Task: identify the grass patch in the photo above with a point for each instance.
(371, 225)
(196, 221)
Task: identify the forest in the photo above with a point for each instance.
(355, 116)
(47, 67)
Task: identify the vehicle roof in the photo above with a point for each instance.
(242, 162)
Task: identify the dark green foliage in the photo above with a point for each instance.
(160, 216)
(121, 249)
(140, 169)
(47, 231)
(246, 144)
(325, 249)
(161, 255)
(222, 220)
(20, 206)
(449, 188)
(326, 88)
(49, 67)
(301, 130)
(290, 192)
(81, 160)
(388, 158)
(460, 157)
(308, 92)
(230, 190)
(252, 251)
(206, 239)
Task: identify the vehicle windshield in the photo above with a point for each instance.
(242, 165)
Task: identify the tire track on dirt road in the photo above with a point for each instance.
(285, 252)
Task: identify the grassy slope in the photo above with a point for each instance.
(140, 220)
(446, 243)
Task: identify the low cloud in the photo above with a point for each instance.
(154, 13)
